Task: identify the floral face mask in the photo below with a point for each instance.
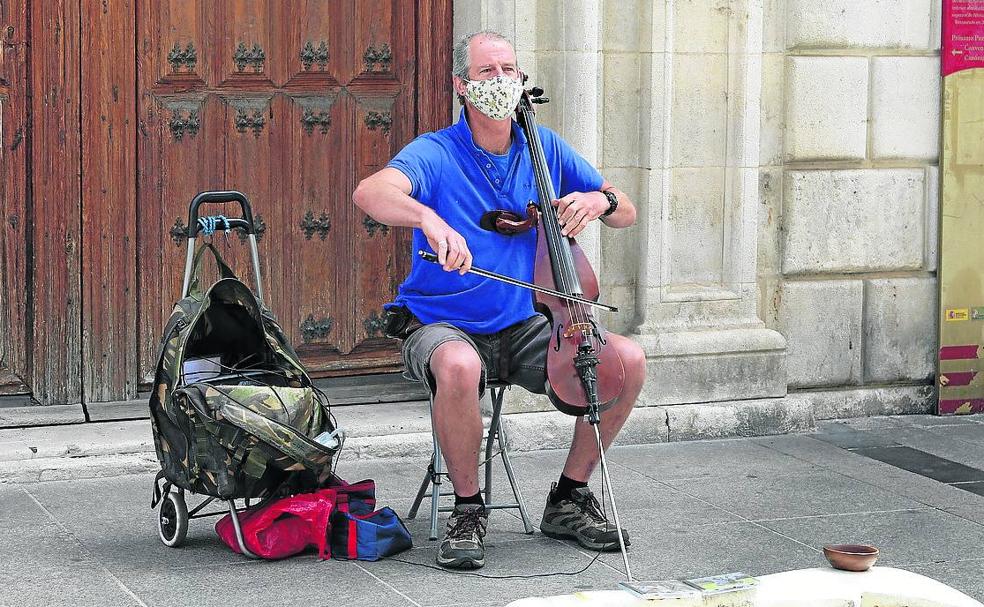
(496, 97)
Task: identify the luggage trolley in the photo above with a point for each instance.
(173, 512)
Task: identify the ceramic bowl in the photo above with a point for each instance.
(851, 557)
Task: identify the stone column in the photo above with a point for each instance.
(697, 291)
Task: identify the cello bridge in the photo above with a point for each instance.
(583, 327)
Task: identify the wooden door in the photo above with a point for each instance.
(113, 115)
(291, 103)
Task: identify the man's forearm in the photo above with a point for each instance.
(387, 204)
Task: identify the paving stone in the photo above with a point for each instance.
(295, 581)
(117, 527)
(938, 420)
(802, 494)
(32, 537)
(713, 549)
(968, 433)
(846, 436)
(972, 513)
(922, 463)
(937, 442)
(432, 587)
(705, 460)
(680, 502)
(941, 536)
(901, 482)
(82, 585)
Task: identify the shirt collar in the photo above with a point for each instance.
(463, 132)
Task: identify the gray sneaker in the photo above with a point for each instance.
(463, 546)
(580, 518)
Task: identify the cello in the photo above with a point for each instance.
(584, 376)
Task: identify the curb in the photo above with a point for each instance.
(402, 430)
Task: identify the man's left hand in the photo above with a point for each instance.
(578, 208)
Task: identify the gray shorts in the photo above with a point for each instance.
(516, 355)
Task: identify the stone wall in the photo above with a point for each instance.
(847, 256)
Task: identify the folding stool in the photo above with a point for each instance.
(435, 471)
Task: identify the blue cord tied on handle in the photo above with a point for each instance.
(209, 224)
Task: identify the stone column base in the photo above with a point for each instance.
(698, 367)
(713, 365)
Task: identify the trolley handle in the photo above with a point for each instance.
(245, 222)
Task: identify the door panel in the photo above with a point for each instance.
(182, 152)
(254, 129)
(316, 46)
(15, 340)
(172, 44)
(248, 50)
(55, 275)
(381, 256)
(109, 305)
(321, 94)
(319, 178)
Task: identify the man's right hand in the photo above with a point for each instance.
(452, 250)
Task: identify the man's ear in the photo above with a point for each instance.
(459, 85)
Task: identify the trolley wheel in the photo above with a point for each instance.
(172, 519)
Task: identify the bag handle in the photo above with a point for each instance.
(194, 287)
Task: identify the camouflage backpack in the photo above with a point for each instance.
(247, 428)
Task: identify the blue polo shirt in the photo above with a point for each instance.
(461, 181)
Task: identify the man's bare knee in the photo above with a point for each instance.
(633, 359)
(455, 365)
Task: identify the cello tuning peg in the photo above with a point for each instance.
(541, 100)
(536, 91)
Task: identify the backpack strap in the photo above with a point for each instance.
(194, 287)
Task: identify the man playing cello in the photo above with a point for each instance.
(466, 328)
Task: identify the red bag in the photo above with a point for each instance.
(287, 526)
(283, 527)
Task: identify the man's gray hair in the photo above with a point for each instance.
(460, 61)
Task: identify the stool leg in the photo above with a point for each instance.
(436, 487)
(428, 476)
(512, 480)
(496, 394)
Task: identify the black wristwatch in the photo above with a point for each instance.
(612, 202)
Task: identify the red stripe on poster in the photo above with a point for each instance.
(958, 352)
(962, 405)
(957, 378)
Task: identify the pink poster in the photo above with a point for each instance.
(963, 35)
